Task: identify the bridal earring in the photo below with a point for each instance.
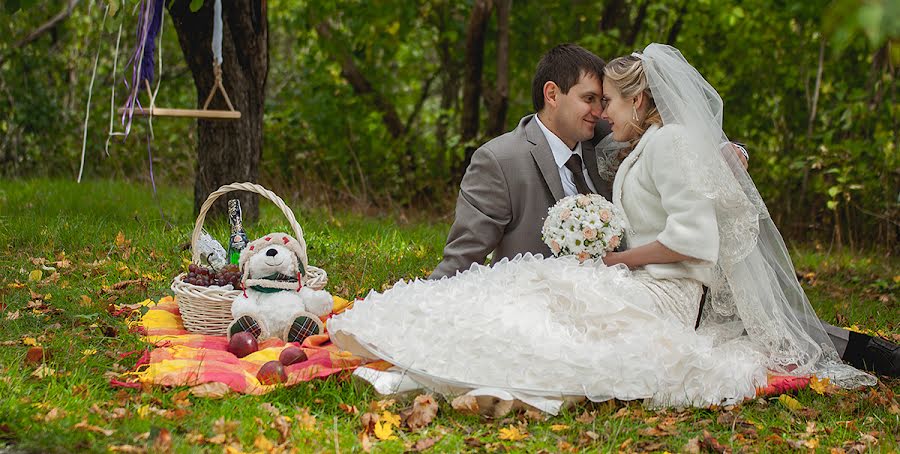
(634, 113)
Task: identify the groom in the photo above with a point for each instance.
(513, 180)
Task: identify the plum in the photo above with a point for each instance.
(291, 355)
(242, 344)
(271, 373)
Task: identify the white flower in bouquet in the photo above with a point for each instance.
(586, 226)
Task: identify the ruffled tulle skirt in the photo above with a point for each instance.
(538, 329)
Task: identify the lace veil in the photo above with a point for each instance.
(755, 293)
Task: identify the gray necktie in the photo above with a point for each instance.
(574, 165)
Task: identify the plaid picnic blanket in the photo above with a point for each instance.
(180, 358)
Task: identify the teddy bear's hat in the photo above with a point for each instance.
(298, 247)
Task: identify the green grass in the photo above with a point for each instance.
(53, 221)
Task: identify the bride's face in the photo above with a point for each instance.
(618, 111)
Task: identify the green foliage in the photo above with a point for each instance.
(830, 175)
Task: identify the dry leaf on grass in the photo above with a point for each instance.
(127, 449)
(790, 403)
(586, 417)
(709, 442)
(368, 421)
(217, 440)
(83, 425)
(163, 441)
(51, 415)
(263, 444)
(422, 412)
(365, 442)
(381, 405)
(590, 436)
(43, 371)
(283, 427)
(390, 418)
(270, 409)
(692, 446)
(212, 390)
(822, 386)
(425, 443)
(473, 442)
(350, 409)
(465, 404)
(224, 430)
(384, 431)
(512, 433)
(533, 414)
(304, 419)
(868, 439)
(35, 356)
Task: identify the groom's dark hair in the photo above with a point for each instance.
(563, 65)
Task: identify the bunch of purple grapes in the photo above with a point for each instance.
(205, 277)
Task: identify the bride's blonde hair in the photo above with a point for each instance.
(627, 74)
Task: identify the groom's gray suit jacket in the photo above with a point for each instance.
(504, 196)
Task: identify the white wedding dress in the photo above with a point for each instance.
(540, 330)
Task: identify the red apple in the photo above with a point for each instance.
(242, 344)
(271, 373)
(291, 355)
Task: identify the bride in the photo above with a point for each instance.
(542, 330)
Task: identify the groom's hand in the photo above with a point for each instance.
(741, 151)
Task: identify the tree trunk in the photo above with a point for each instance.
(611, 17)
(474, 65)
(676, 27)
(449, 79)
(498, 100)
(227, 151)
(638, 24)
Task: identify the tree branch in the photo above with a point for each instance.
(815, 98)
(361, 85)
(426, 90)
(43, 28)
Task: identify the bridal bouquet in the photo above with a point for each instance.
(586, 226)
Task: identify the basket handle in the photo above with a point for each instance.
(249, 187)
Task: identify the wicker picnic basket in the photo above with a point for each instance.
(206, 310)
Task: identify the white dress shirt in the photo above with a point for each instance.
(561, 154)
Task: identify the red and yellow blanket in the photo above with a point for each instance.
(180, 358)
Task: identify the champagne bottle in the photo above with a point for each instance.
(238, 240)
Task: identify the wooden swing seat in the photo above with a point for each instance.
(204, 113)
(188, 113)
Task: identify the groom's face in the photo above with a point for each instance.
(577, 112)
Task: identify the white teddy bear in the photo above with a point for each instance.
(274, 302)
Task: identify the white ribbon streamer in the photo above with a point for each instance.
(217, 33)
